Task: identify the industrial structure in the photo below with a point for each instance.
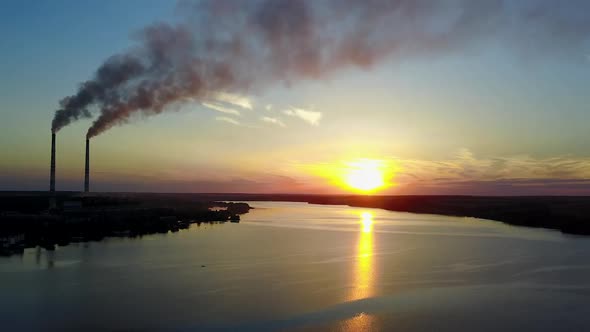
(52, 167)
(87, 168)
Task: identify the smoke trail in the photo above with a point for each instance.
(237, 46)
(114, 72)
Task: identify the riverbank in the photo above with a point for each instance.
(40, 219)
(568, 214)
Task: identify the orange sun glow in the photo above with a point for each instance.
(365, 175)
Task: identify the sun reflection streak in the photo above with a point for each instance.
(363, 276)
(363, 271)
(367, 222)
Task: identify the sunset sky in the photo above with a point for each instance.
(495, 115)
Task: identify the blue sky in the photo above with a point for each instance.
(464, 110)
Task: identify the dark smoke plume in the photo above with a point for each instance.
(239, 46)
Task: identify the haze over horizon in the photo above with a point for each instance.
(446, 97)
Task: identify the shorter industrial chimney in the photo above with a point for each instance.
(52, 167)
(87, 168)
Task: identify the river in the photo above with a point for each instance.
(304, 267)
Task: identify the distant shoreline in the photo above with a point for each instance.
(568, 214)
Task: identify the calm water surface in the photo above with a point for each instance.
(300, 267)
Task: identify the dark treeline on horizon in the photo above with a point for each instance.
(77, 217)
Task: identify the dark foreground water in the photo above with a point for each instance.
(299, 267)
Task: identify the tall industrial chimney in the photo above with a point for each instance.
(87, 168)
(52, 167)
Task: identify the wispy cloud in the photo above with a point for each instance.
(228, 120)
(234, 99)
(311, 117)
(274, 121)
(268, 107)
(465, 166)
(221, 108)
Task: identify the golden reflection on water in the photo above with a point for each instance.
(363, 275)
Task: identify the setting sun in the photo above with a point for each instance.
(362, 175)
(365, 175)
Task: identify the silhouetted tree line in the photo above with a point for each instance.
(94, 218)
(569, 215)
